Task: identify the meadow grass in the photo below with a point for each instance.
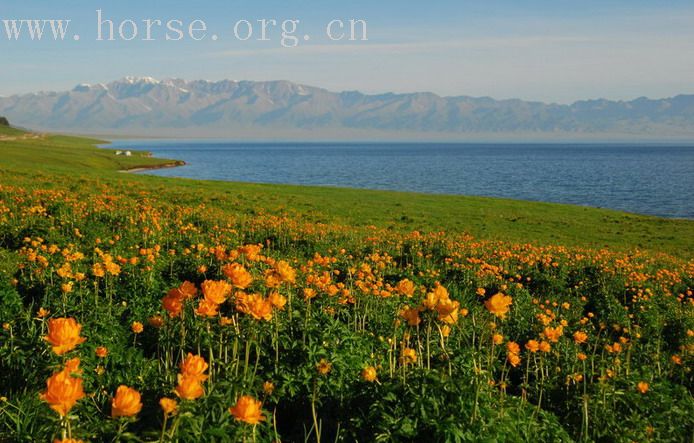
(143, 309)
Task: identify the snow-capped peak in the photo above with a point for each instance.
(132, 80)
(86, 87)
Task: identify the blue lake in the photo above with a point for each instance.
(646, 179)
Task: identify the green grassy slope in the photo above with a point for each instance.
(8, 131)
(63, 153)
(487, 218)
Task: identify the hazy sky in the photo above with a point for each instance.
(549, 50)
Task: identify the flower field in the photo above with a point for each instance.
(128, 316)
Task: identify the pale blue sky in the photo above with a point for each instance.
(549, 50)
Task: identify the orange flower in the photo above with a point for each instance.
(250, 251)
(642, 387)
(277, 300)
(405, 287)
(433, 298)
(309, 293)
(173, 303)
(238, 275)
(616, 347)
(215, 291)
(207, 308)
(240, 299)
(409, 355)
(68, 440)
(189, 388)
(194, 366)
(256, 306)
(43, 313)
(580, 337)
(497, 339)
(272, 278)
(268, 387)
(553, 334)
(137, 327)
(369, 374)
(499, 305)
(532, 346)
(260, 308)
(101, 352)
(72, 366)
(187, 290)
(63, 390)
(581, 356)
(545, 347)
(513, 347)
(112, 268)
(248, 410)
(64, 334)
(156, 321)
(448, 311)
(126, 402)
(98, 270)
(168, 405)
(332, 290)
(430, 300)
(411, 315)
(285, 271)
(324, 367)
(513, 359)
(174, 299)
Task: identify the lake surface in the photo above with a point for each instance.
(646, 179)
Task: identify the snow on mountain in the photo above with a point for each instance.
(138, 105)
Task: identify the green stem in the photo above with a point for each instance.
(163, 429)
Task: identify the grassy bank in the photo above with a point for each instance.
(64, 154)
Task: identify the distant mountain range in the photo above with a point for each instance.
(281, 109)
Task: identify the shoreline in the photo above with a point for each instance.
(178, 163)
(174, 164)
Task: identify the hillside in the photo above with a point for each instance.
(146, 106)
(6, 130)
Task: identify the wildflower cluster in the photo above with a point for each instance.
(126, 316)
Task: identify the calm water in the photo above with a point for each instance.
(656, 180)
